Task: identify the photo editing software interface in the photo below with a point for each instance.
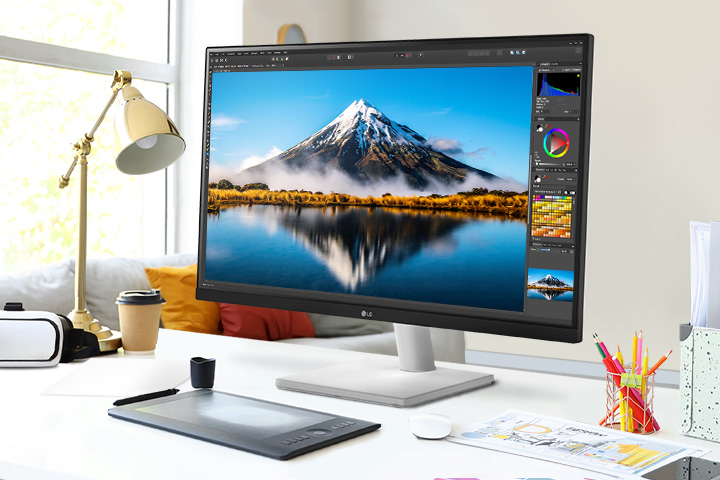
(436, 174)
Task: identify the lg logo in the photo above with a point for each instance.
(366, 314)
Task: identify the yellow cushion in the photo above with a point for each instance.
(181, 310)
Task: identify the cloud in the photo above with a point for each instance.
(480, 152)
(448, 146)
(327, 94)
(454, 148)
(225, 123)
(219, 172)
(279, 177)
(442, 111)
(257, 159)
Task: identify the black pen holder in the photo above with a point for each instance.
(202, 372)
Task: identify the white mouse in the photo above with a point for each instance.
(432, 426)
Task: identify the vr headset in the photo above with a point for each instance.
(41, 339)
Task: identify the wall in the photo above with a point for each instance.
(321, 20)
(653, 155)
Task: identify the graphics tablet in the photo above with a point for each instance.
(257, 426)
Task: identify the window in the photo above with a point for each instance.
(100, 26)
(47, 105)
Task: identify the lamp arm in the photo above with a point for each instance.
(81, 318)
(82, 146)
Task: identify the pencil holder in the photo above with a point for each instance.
(629, 401)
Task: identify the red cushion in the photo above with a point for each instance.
(264, 323)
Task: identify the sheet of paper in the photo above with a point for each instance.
(713, 278)
(699, 272)
(588, 447)
(122, 376)
(541, 472)
(591, 476)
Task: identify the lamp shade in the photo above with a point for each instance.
(146, 140)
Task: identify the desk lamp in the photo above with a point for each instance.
(146, 140)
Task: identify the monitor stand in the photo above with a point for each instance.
(408, 380)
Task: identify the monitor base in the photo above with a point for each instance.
(379, 380)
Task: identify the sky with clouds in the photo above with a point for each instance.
(480, 116)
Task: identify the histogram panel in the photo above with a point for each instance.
(565, 84)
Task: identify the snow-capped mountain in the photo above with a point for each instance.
(368, 125)
(550, 282)
(366, 145)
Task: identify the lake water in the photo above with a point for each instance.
(439, 257)
(549, 294)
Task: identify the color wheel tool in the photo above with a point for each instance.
(556, 143)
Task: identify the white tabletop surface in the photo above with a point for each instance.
(61, 436)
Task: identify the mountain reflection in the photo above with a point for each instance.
(356, 242)
(550, 293)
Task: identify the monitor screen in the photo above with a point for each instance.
(436, 182)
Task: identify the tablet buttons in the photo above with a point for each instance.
(292, 440)
(319, 432)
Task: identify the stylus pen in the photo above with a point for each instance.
(146, 396)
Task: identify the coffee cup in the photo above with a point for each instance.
(139, 312)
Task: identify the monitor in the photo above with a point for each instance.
(429, 183)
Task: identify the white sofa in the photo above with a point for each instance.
(51, 288)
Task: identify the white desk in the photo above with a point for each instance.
(58, 437)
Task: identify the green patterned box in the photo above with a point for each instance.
(700, 382)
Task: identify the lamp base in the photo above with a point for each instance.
(109, 340)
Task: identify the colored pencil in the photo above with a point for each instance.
(633, 359)
(602, 354)
(602, 345)
(660, 362)
(644, 374)
(602, 422)
(638, 368)
(619, 356)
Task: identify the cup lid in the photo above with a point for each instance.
(140, 297)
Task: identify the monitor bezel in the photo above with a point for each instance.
(407, 312)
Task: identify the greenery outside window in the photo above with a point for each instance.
(50, 95)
